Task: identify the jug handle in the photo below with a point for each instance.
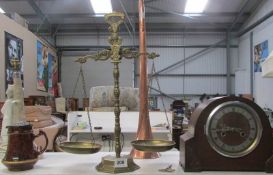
(44, 134)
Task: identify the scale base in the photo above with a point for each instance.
(111, 164)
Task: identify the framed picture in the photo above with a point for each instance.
(260, 54)
(42, 67)
(47, 70)
(52, 75)
(13, 50)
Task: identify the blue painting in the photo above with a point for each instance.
(260, 54)
(42, 67)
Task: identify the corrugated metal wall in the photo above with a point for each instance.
(171, 48)
(262, 87)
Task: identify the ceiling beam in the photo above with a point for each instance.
(190, 75)
(40, 14)
(255, 24)
(45, 22)
(95, 47)
(241, 12)
(94, 30)
(147, 15)
(252, 11)
(150, 25)
(149, 1)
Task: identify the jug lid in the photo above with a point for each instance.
(23, 126)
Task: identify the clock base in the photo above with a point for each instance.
(269, 165)
(190, 161)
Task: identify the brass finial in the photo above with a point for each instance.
(114, 20)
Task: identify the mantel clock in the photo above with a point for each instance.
(229, 134)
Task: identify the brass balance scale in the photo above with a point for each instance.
(109, 163)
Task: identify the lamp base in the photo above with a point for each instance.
(111, 164)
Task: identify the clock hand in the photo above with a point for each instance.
(225, 128)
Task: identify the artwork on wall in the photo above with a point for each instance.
(13, 49)
(42, 67)
(47, 70)
(52, 75)
(260, 54)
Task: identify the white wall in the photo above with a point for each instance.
(29, 57)
(262, 86)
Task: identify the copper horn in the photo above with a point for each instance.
(144, 131)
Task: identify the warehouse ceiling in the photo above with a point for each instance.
(58, 17)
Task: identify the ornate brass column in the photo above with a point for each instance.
(117, 164)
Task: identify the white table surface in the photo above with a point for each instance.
(72, 164)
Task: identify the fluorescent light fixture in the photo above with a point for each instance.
(195, 6)
(192, 14)
(2, 11)
(99, 14)
(101, 6)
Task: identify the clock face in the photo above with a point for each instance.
(233, 129)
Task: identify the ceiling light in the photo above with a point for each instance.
(193, 14)
(2, 11)
(101, 6)
(195, 6)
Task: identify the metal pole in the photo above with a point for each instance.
(162, 93)
(228, 64)
(135, 73)
(59, 55)
(251, 65)
(261, 20)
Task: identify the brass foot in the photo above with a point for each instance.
(111, 164)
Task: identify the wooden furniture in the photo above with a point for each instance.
(28, 101)
(50, 101)
(85, 103)
(35, 100)
(73, 104)
(60, 115)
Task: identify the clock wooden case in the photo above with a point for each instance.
(227, 134)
